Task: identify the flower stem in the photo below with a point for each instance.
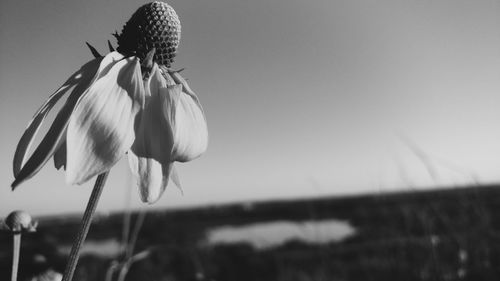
(15, 255)
(84, 227)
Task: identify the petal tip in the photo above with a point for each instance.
(74, 178)
(149, 198)
(151, 195)
(15, 184)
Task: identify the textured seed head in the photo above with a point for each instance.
(20, 221)
(153, 25)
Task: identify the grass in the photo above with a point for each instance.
(447, 234)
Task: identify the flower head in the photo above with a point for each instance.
(154, 25)
(127, 102)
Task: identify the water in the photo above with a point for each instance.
(272, 234)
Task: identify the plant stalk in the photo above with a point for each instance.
(84, 227)
(15, 254)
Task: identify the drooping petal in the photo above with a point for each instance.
(60, 156)
(100, 130)
(186, 89)
(85, 73)
(150, 157)
(187, 121)
(25, 169)
(174, 176)
(151, 176)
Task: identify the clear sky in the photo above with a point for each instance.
(303, 98)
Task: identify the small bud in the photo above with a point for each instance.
(20, 221)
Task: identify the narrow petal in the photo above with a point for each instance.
(60, 156)
(187, 121)
(174, 176)
(150, 157)
(25, 169)
(83, 76)
(101, 128)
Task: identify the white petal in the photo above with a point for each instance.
(149, 156)
(150, 175)
(187, 121)
(153, 139)
(101, 128)
(25, 169)
(185, 87)
(83, 76)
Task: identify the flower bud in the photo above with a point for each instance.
(20, 221)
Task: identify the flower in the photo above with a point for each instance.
(127, 102)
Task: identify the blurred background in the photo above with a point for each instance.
(305, 101)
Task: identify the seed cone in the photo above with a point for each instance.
(153, 25)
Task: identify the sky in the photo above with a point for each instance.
(303, 98)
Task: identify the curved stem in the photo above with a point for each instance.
(123, 271)
(131, 246)
(128, 263)
(84, 227)
(15, 255)
(111, 271)
(126, 221)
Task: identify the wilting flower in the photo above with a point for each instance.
(128, 101)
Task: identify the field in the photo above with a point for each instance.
(446, 234)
